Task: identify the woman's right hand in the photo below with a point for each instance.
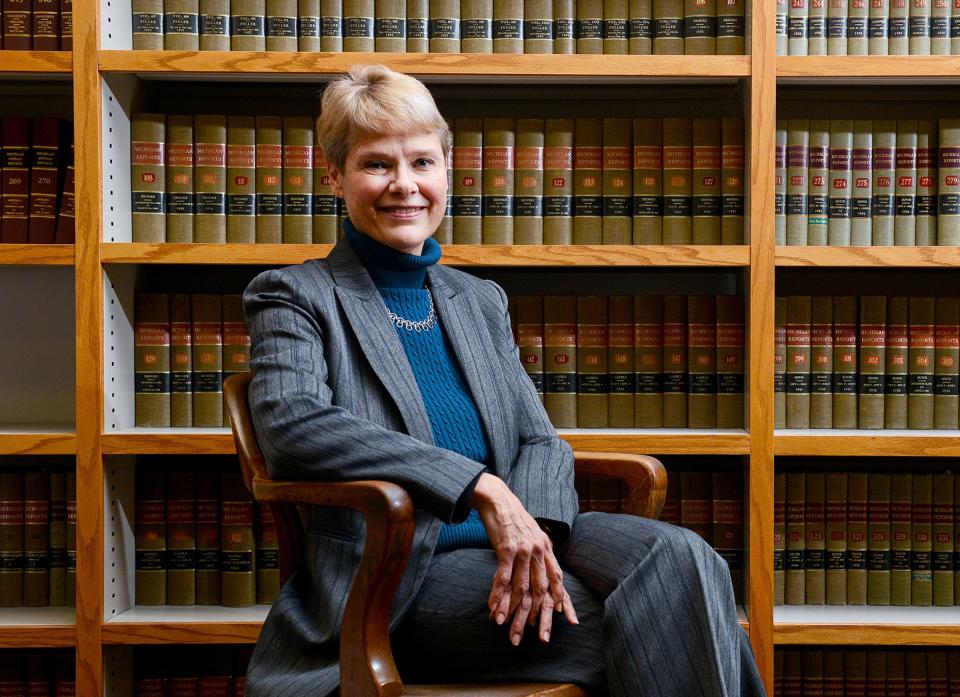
(528, 583)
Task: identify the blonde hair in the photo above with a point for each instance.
(372, 100)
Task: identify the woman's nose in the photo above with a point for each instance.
(403, 181)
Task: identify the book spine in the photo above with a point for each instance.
(841, 149)
(181, 26)
(560, 359)
(833, 675)
(390, 26)
(538, 26)
(147, 178)
(648, 359)
(179, 178)
(878, 545)
(207, 485)
(780, 363)
(647, 181)
(248, 25)
(921, 552)
(812, 672)
(207, 338)
(926, 201)
(780, 183)
(702, 361)
(922, 349)
(528, 183)
(857, 536)
(956, 532)
(946, 363)
(181, 362)
(58, 537)
(731, 28)
(151, 537)
(876, 673)
(558, 181)
(617, 181)
(151, 360)
(792, 673)
(358, 17)
(798, 361)
(919, 41)
(468, 181)
(821, 362)
(444, 27)
(181, 538)
(731, 222)
(780, 27)
(592, 377)
(620, 362)
(331, 24)
(210, 170)
(728, 525)
(858, 15)
(70, 575)
(674, 362)
(66, 25)
(45, 21)
(855, 672)
(896, 400)
(878, 30)
(896, 674)
(815, 544)
(872, 361)
(236, 340)
(707, 149)
(818, 183)
(589, 28)
(564, 26)
(696, 503)
(700, 27)
(498, 180)
(641, 28)
(948, 175)
(15, 188)
(36, 539)
(667, 28)
(269, 185)
(795, 582)
(508, 26)
(937, 674)
(66, 216)
(835, 576)
(324, 200)
(241, 179)
(779, 535)
(798, 145)
(845, 362)
(884, 180)
(476, 26)
(940, 28)
(942, 548)
(297, 223)
(730, 364)
(214, 19)
(901, 487)
(588, 181)
(677, 180)
(905, 220)
(862, 181)
(797, 27)
(268, 556)
(237, 546)
(308, 25)
(529, 317)
(817, 28)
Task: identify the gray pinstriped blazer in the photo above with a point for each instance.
(333, 397)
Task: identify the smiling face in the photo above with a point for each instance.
(395, 188)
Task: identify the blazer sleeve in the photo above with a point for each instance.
(542, 475)
(304, 435)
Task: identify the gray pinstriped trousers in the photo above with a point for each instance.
(656, 610)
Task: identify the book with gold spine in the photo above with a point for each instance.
(884, 180)
(214, 25)
(147, 25)
(181, 30)
(779, 535)
(731, 190)
(780, 362)
(588, 181)
(179, 178)
(529, 319)
(560, 359)
(878, 20)
(268, 556)
(181, 361)
(706, 171)
(151, 537)
(700, 27)
(667, 27)
(728, 525)
(148, 178)
(878, 545)
(872, 355)
(845, 362)
(795, 581)
(36, 538)
(589, 30)
(308, 26)
(528, 182)
(730, 343)
(444, 26)
(210, 168)
(390, 26)
(181, 538)
(862, 183)
(798, 362)
(901, 493)
(207, 487)
(677, 180)
(247, 25)
(835, 575)
(507, 26)
(947, 363)
(297, 179)
(324, 201)
(948, 176)
(648, 359)
(821, 362)
(895, 387)
(151, 359)
(538, 26)
(647, 181)
(840, 187)
(331, 25)
(921, 552)
(926, 200)
(236, 340)
(558, 181)
(674, 362)
(241, 179)
(468, 178)
(702, 361)
(498, 180)
(921, 362)
(731, 28)
(814, 524)
(617, 181)
(418, 26)
(70, 575)
(593, 388)
(269, 186)
(942, 562)
(564, 26)
(207, 339)
(905, 199)
(620, 362)
(237, 545)
(798, 145)
(640, 29)
(358, 16)
(58, 537)
(476, 26)
(780, 183)
(281, 25)
(857, 535)
(818, 183)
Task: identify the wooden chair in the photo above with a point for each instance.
(367, 668)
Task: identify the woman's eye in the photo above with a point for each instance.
(375, 164)
(424, 162)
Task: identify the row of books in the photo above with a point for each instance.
(185, 346)
(37, 181)
(37, 25)
(870, 362)
(860, 28)
(38, 538)
(624, 361)
(640, 27)
(205, 671)
(202, 540)
(866, 538)
(33, 672)
(848, 182)
(215, 178)
(859, 672)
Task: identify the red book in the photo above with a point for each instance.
(16, 25)
(46, 25)
(66, 25)
(14, 224)
(45, 159)
(66, 220)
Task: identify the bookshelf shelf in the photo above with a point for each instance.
(37, 627)
(886, 443)
(37, 441)
(36, 254)
(169, 441)
(458, 255)
(185, 625)
(466, 66)
(879, 257)
(860, 69)
(831, 624)
(36, 64)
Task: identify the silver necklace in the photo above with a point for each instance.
(422, 325)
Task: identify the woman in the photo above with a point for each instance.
(376, 363)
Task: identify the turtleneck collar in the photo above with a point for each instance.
(387, 267)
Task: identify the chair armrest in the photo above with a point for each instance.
(367, 668)
(644, 476)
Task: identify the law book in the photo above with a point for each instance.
(324, 201)
(674, 409)
(730, 364)
(557, 181)
(835, 534)
(181, 361)
(66, 25)
(592, 373)
(528, 182)
(444, 232)
(210, 170)
(151, 537)
(779, 535)
(560, 359)
(795, 574)
(780, 182)
(872, 343)
(702, 361)
(58, 537)
(812, 680)
(15, 188)
(146, 24)
(884, 182)
(857, 536)
(179, 172)
(214, 19)
(901, 493)
(696, 503)
(45, 180)
(833, 673)
(728, 525)
(390, 24)
(268, 556)
(297, 179)
(151, 360)
(237, 545)
(916, 673)
(797, 14)
(468, 181)
(731, 221)
(956, 535)
(858, 16)
(37, 674)
(821, 362)
(476, 26)
(837, 28)
(589, 26)
(508, 26)
(207, 577)
(878, 36)
(308, 26)
(236, 340)
(588, 181)
(247, 25)
(876, 673)
(937, 673)
(700, 27)
(798, 362)
(948, 176)
(181, 538)
(818, 182)
(798, 144)
(896, 673)
(648, 359)
(817, 28)
(617, 188)
(36, 538)
(897, 358)
(946, 363)
(940, 28)
(181, 29)
(671, 501)
(181, 670)
(616, 27)
(214, 678)
(70, 575)
(862, 184)
(331, 25)
(640, 28)
(241, 179)
(814, 522)
(905, 220)
(677, 180)
(358, 17)
(529, 323)
(538, 26)
(269, 184)
(878, 545)
(667, 27)
(922, 362)
(942, 562)
(648, 181)
(564, 26)
(731, 28)
(840, 185)
(707, 172)
(147, 178)
(16, 24)
(855, 672)
(498, 180)
(921, 552)
(919, 40)
(207, 344)
(792, 672)
(845, 362)
(418, 26)
(621, 361)
(444, 26)
(780, 27)
(780, 363)
(66, 216)
(926, 199)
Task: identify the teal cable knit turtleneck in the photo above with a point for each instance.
(456, 425)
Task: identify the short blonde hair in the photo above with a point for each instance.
(371, 100)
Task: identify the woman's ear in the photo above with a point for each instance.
(336, 177)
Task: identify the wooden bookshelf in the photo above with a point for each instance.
(848, 69)
(37, 627)
(185, 625)
(869, 257)
(36, 441)
(886, 626)
(36, 254)
(36, 64)
(881, 443)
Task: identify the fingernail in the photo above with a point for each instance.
(515, 639)
(500, 618)
(546, 636)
